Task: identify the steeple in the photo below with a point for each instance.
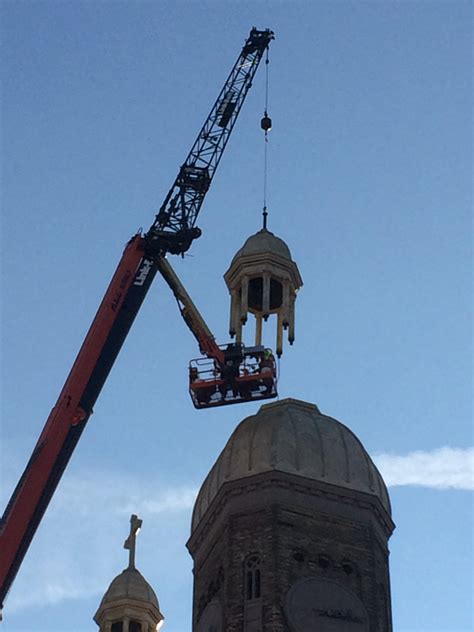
(130, 604)
(290, 529)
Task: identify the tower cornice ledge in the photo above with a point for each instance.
(262, 490)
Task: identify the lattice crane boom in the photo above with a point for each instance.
(174, 227)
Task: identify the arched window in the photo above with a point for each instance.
(117, 626)
(252, 577)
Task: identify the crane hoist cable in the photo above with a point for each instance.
(266, 125)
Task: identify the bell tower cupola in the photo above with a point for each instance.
(263, 279)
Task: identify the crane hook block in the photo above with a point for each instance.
(266, 123)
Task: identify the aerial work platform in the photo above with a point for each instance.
(247, 374)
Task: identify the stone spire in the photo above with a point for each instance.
(130, 604)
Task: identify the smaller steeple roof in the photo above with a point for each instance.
(129, 594)
(130, 584)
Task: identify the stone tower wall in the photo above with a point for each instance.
(300, 529)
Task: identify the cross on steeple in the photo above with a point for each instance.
(130, 542)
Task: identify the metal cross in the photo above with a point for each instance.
(130, 542)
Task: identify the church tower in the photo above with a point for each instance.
(290, 530)
(130, 604)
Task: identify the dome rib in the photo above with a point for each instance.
(214, 484)
(251, 444)
(130, 584)
(346, 454)
(370, 480)
(295, 433)
(274, 448)
(263, 241)
(320, 445)
(219, 475)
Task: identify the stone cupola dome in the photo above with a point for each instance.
(294, 437)
(263, 242)
(130, 584)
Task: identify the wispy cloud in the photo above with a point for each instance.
(118, 493)
(444, 468)
(84, 529)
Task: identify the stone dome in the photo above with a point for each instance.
(263, 242)
(295, 437)
(130, 584)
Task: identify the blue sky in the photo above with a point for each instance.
(370, 168)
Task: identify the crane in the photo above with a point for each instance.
(172, 232)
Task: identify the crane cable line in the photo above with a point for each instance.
(266, 125)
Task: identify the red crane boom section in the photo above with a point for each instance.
(31, 493)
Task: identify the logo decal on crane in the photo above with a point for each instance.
(143, 272)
